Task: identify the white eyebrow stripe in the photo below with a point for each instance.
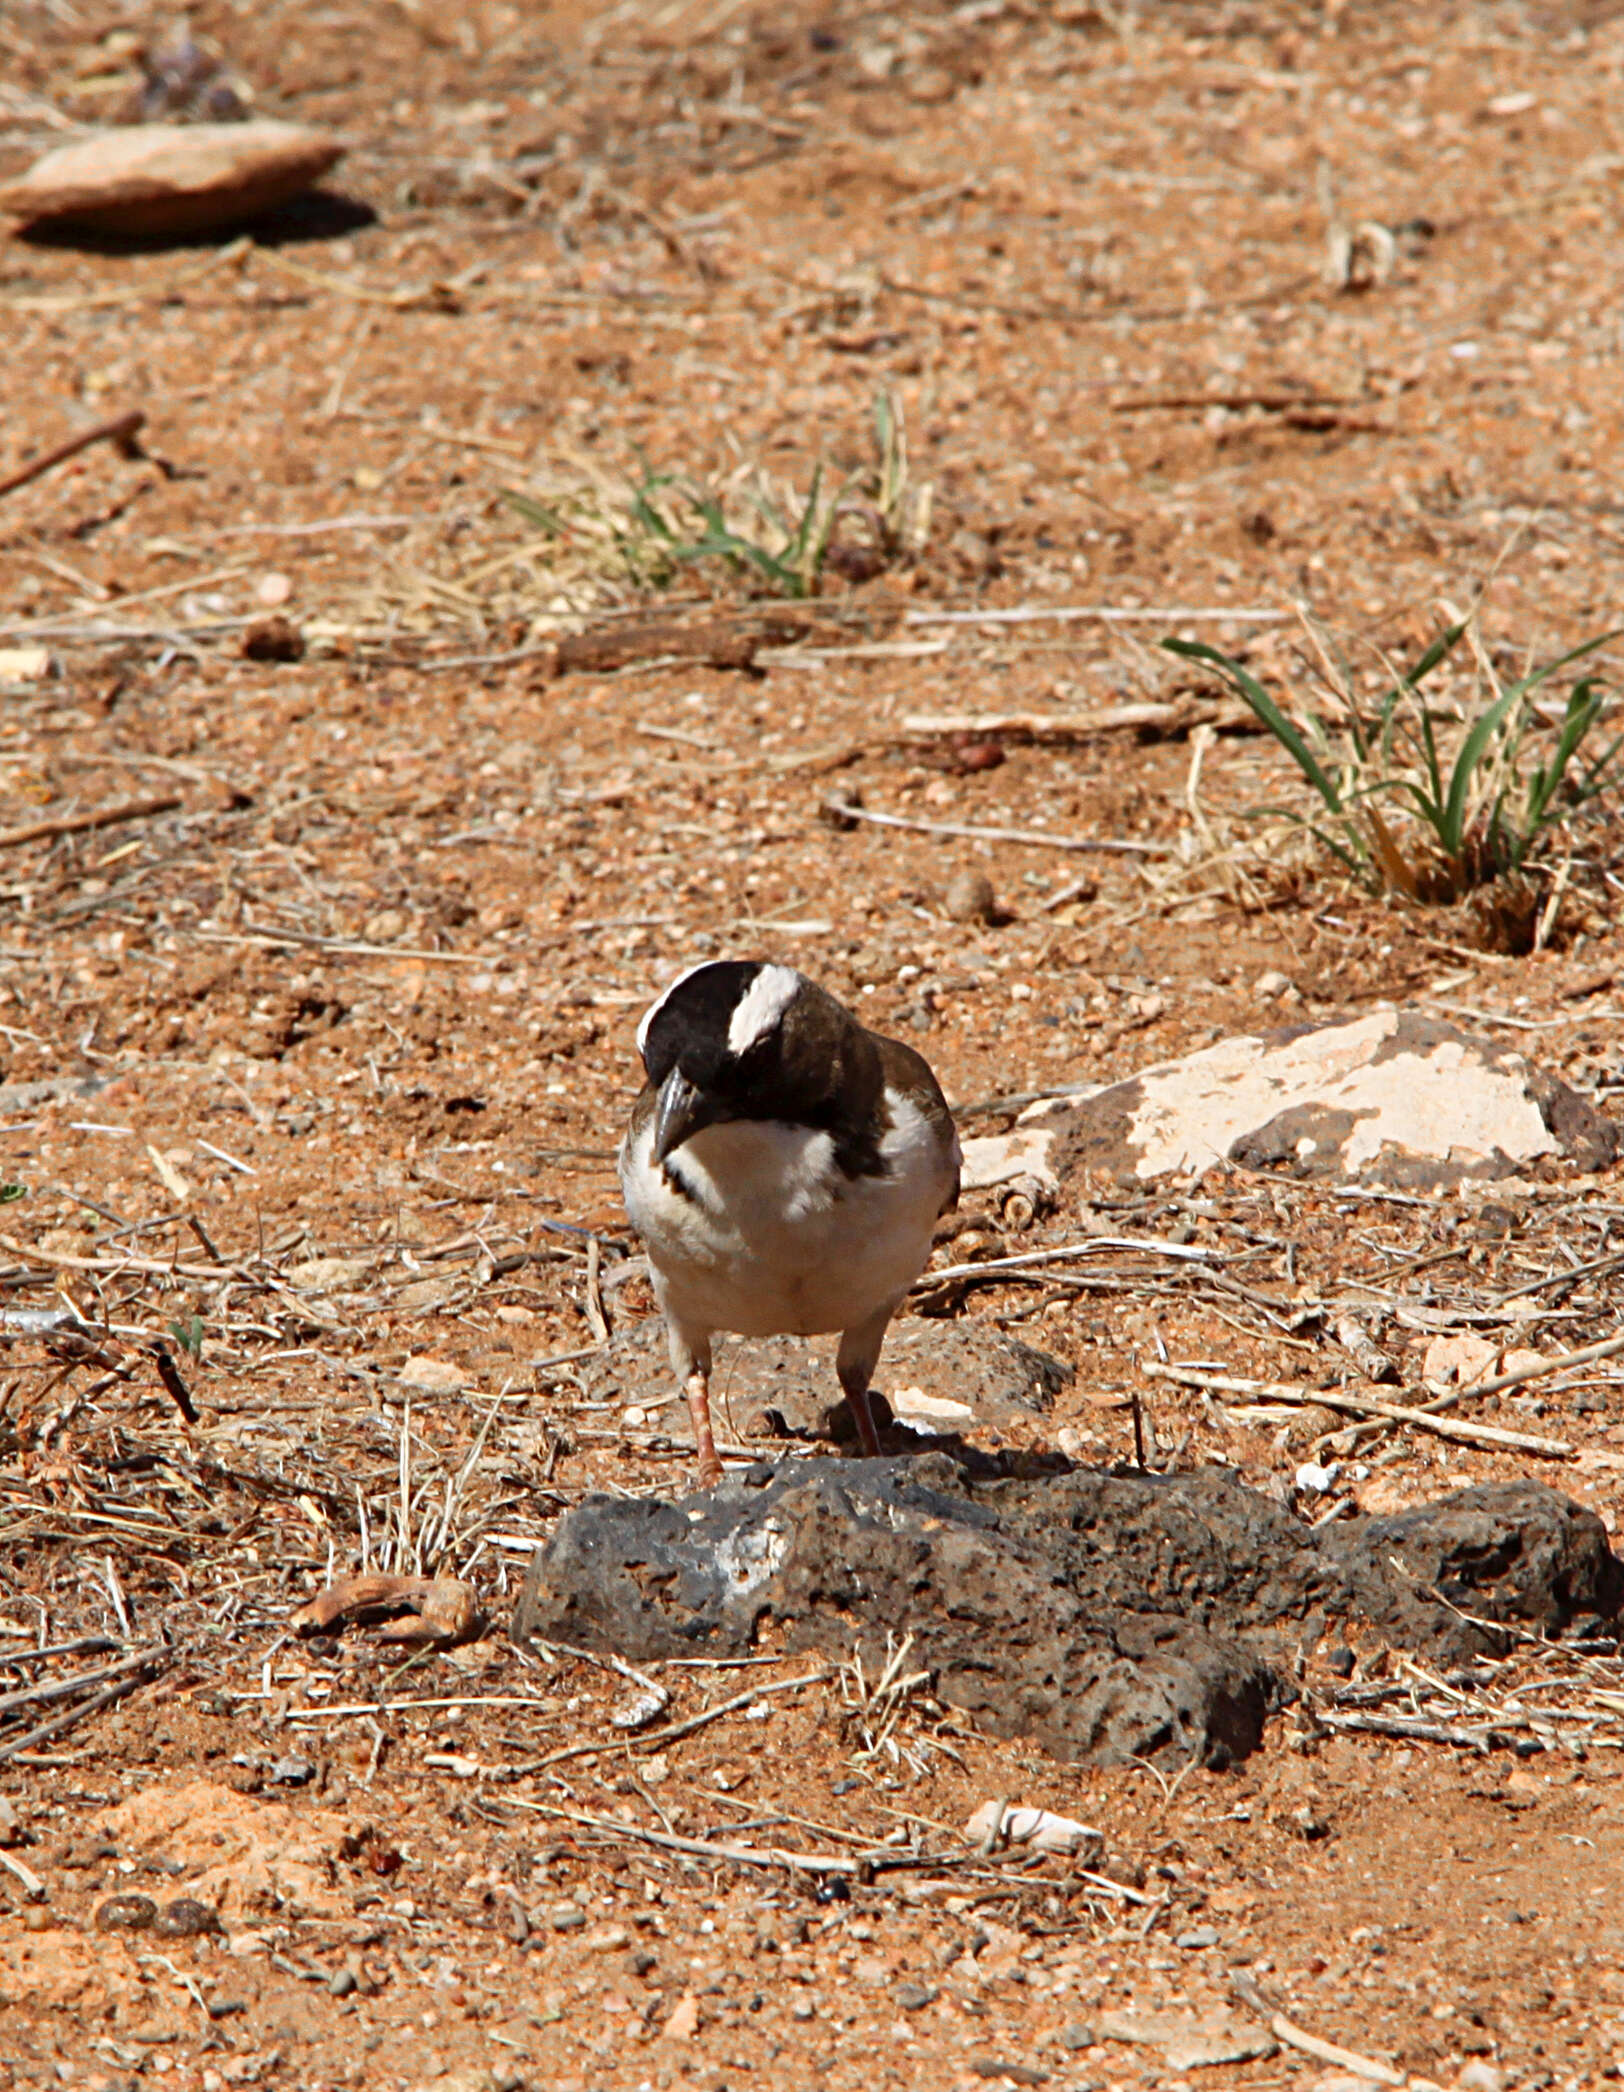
(658, 1005)
(766, 999)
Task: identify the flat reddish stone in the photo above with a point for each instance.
(154, 181)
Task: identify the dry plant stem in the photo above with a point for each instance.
(1066, 613)
(1519, 1376)
(1296, 2037)
(739, 1855)
(1064, 727)
(1270, 402)
(1357, 1405)
(1061, 1254)
(81, 824)
(60, 1722)
(31, 1883)
(122, 430)
(684, 1728)
(1029, 836)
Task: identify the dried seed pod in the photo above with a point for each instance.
(128, 1913)
(186, 1918)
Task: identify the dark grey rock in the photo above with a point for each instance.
(1108, 1616)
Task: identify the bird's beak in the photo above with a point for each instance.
(681, 1111)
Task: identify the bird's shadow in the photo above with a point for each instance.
(900, 1439)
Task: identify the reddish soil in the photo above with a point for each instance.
(366, 991)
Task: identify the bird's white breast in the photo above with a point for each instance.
(775, 1238)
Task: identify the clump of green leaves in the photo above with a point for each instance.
(777, 542)
(189, 1335)
(1431, 799)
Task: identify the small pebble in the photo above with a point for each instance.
(273, 590)
(125, 1914)
(566, 1917)
(1076, 2036)
(1269, 987)
(1202, 1936)
(1479, 2076)
(341, 1983)
(969, 898)
(1340, 1662)
(914, 1997)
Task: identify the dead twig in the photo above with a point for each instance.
(1297, 2037)
(1358, 1405)
(1150, 716)
(670, 1733)
(844, 810)
(80, 824)
(121, 432)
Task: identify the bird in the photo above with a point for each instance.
(785, 1167)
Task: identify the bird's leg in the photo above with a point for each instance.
(690, 1349)
(855, 1361)
(698, 1392)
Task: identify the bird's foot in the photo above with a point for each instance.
(867, 1431)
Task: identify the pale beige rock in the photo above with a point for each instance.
(1461, 1359)
(436, 1376)
(1393, 1095)
(1188, 2043)
(159, 181)
(683, 2024)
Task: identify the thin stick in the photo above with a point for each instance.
(260, 934)
(80, 824)
(122, 430)
(1297, 2037)
(32, 1885)
(58, 1723)
(1183, 1251)
(1077, 726)
(1069, 613)
(1356, 1405)
(686, 1728)
(846, 811)
(1520, 1375)
(740, 1855)
(1272, 402)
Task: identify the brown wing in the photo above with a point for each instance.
(911, 1076)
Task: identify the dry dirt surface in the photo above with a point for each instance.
(352, 814)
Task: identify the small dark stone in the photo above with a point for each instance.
(1076, 2036)
(1340, 1662)
(1011, 2073)
(914, 1997)
(831, 1890)
(186, 1918)
(126, 1914)
(292, 1772)
(1590, 1401)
